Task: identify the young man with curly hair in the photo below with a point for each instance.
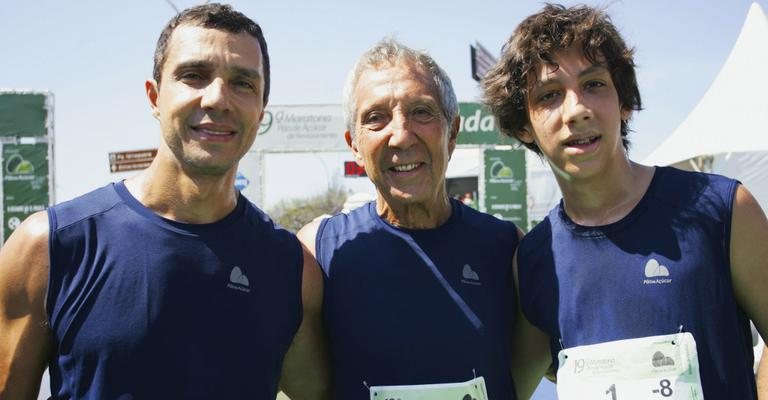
(642, 281)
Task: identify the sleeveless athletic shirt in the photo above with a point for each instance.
(661, 269)
(409, 307)
(142, 307)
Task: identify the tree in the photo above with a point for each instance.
(295, 213)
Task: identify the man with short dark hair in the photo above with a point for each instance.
(418, 299)
(640, 284)
(170, 284)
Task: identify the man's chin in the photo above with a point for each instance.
(398, 197)
(206, 167)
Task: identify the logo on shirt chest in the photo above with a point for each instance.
(470, 276)
(656, 274)
(238, 280)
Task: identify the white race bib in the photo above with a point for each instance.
(654, 367)
(469, 390)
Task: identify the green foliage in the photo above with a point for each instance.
(295, 213)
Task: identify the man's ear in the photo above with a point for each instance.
(625, 114)
(152, 89)
(352, 143)
(454, 134)
(525, 134)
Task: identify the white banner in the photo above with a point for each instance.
(301, 128)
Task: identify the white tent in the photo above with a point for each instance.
(727, 131)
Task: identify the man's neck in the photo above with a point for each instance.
(174, 194)
(415, 215)
(608, 197)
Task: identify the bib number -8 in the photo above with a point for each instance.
(650, 368)
(469, 390)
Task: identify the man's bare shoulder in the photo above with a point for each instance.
(25, 255)
(308, 233)
(25, 343)
(35, 226)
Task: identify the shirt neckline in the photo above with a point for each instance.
(601, 230)
(180, 227)
(445, 226)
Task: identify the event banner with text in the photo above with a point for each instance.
(25, 182)
(25, 150)
(505, 190)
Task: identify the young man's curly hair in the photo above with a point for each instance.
(534, 42)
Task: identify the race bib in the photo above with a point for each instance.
(654, 367)
(469, 390)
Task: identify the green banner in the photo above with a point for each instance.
(22, 114)
(478, 126)
(505, 189)
(25, 183)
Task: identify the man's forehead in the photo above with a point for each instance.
(192, 37)
(387, 73)
(573, 59)
(401, 67)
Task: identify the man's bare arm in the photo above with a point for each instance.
(749, 266)
(25, 341)
(530, 350)
(762, 376)
(306, 369)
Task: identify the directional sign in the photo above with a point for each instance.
(131, 160)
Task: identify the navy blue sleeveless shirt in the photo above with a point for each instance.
(663, 266)
(408, 307)
(141, 307)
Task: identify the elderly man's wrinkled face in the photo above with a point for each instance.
(402, 138)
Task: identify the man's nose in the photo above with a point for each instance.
(215, 95)
(401, 135)
(575, 110)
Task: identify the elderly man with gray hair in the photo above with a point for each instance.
(418, 298)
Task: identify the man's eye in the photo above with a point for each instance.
(373, 118)
(594, 84)
(191, 76)
(244, 84)
(374, 121)
(423, 114)
(546, 97)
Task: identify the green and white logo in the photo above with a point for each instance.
(17, 165)
(499, 170)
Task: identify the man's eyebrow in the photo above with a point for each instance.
(365, 109)
(592, 69)
(237, 70)
(247, 72)
(193, 65)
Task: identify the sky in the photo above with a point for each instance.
(94, 56)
